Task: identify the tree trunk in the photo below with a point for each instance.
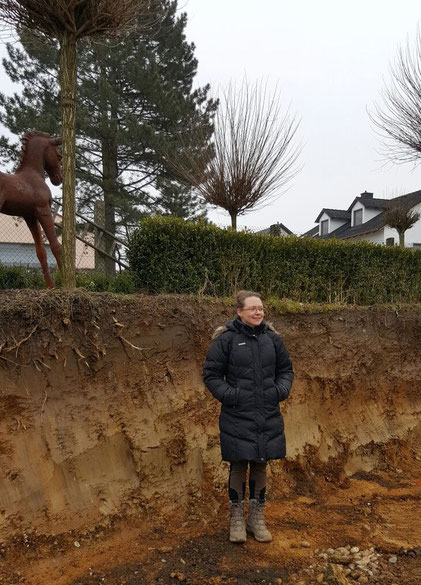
(99, 218)
(110, 225)
(233, 220)
(401, 239)
(68, 114)
(109, 162)
(110, 173)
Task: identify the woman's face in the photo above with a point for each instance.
(252, 313)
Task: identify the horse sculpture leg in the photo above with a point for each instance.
(46, 220)
(35, 228)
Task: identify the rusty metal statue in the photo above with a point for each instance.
(26, 194)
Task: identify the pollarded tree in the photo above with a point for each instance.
(68, 21)
(398, 118)
(254, 152)
(401, 218)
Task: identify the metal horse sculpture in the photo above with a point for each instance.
(26, 194)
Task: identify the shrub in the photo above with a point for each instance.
(170, 255)
(19, 277)
(119, 283)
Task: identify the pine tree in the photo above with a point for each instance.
(132, 97)
(178, 201)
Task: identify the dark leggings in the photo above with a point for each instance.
(238, 476)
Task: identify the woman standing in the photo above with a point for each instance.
(249, 371)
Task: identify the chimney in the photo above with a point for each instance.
(366, 195)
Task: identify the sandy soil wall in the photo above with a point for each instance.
(103, 411)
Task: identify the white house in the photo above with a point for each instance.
(17, 247)
(364, 221)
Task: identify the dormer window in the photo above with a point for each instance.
(324, 227)
(358, 217)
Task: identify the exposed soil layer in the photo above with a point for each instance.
(110, 466)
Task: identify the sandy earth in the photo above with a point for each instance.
(110, 469)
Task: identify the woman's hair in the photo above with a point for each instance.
(242, 295)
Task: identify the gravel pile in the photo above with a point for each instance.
(348, 565)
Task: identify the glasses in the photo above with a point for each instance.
(255, 309)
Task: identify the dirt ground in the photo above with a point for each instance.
(110, 469)
(379, 510)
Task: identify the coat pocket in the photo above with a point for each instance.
(282, 393)
(230, 397)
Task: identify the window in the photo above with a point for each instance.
(324, 227)
(390, 241)
(416, 246)
(358, 217)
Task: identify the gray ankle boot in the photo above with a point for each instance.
(238, 526)
(256, 521)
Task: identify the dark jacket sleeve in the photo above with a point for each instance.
(215, 368)
(284, 373)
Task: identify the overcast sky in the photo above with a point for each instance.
(331, 59)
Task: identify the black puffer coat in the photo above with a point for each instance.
(249, 371)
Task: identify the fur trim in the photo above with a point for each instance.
(218, 331)
(222, 328)
(271, 327)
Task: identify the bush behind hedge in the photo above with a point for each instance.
(170, 255)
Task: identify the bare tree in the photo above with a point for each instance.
(254, 156)
(398, 118)
(68, 21)
(401, 218)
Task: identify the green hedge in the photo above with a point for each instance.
(169, 255)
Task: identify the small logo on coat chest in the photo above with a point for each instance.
(243, 343)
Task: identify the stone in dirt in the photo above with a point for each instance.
(179, 576)
(335, 576)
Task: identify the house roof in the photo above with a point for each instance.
(371, 203)
(407, 201)
(334, 214)
(313, 232)
(346, 231)
(283, 227)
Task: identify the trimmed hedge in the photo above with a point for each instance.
(170, 255)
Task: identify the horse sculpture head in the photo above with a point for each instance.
(40, 151)
(52, 161)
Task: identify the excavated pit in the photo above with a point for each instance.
(108, 436)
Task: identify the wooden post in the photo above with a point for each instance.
(68, 109)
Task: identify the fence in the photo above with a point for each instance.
(96, 249)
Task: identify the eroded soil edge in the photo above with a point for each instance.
(106, 431)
